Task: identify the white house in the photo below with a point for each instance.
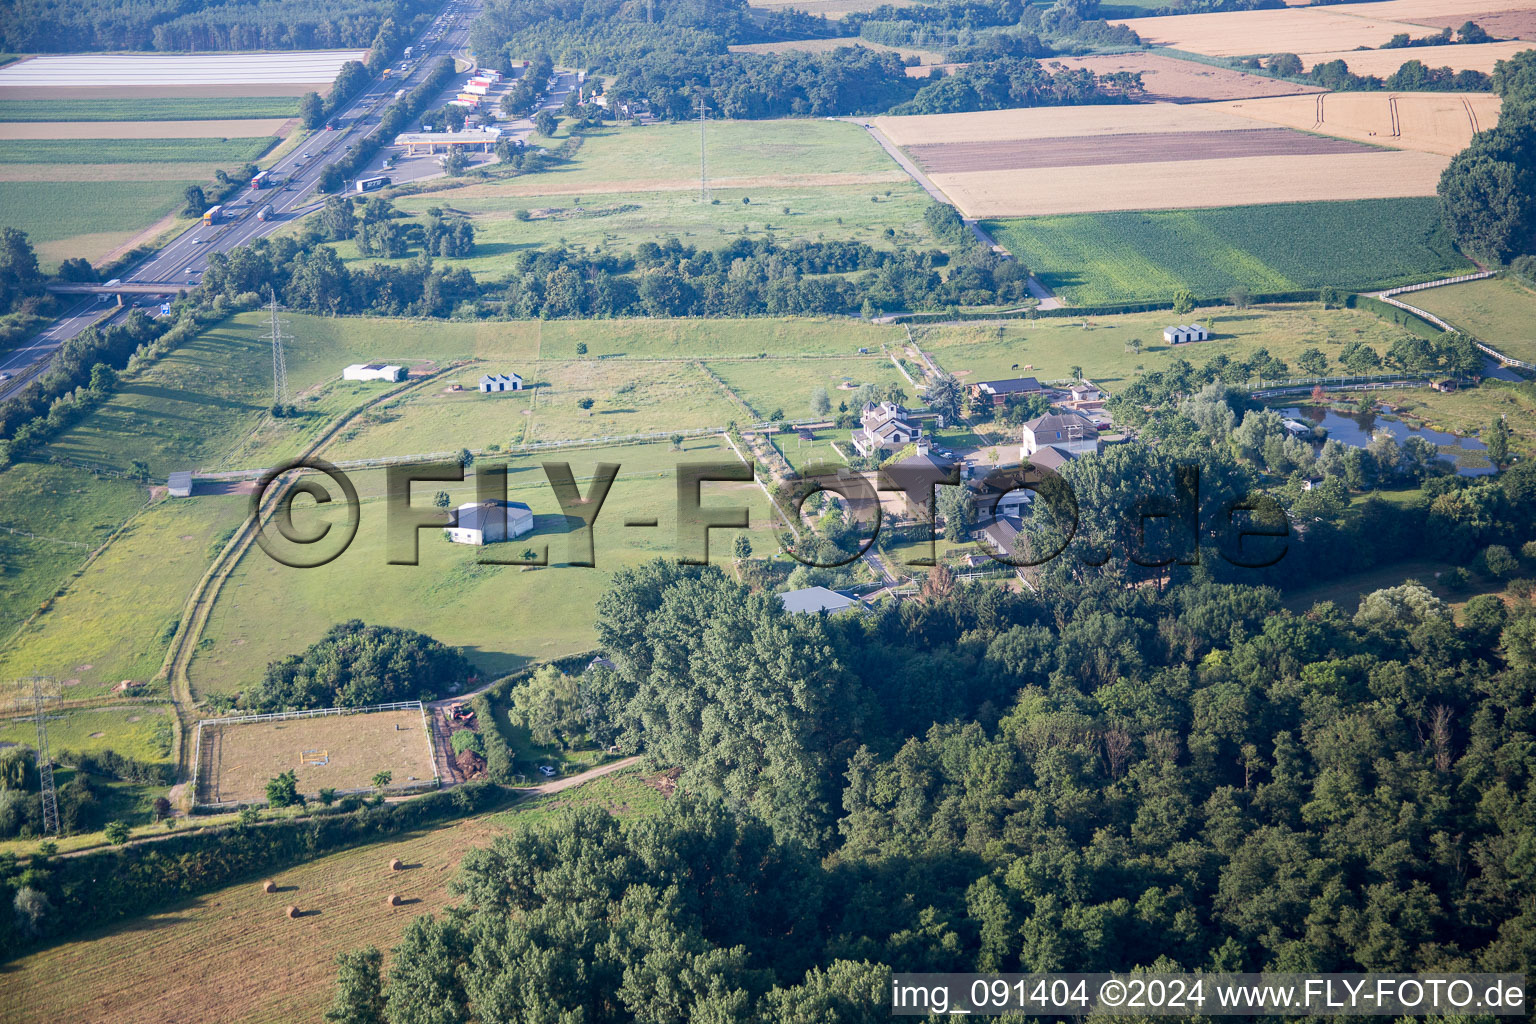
(1185, 333)
(815, 599)
(1071, 432)
(884, 427)
(501, 382)
(373, 371)
(490, 521)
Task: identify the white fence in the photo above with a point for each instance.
(1438, 284)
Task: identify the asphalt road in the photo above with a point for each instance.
(181, 262)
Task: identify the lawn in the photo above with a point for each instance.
(133, 151)
(620, 221)
(167, 108)
(139, 731)
(1125, 257)
(235, 948)
(1499, 311)
(501, 616)
(118, 615)
(86, 218)
(1048, 348)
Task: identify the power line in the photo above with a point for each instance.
(44, 762)
(279, 364)
(703, 161)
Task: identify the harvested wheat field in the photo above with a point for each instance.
(1475, 57)
(1499, 24)
(1194, 184)
(243, 129)
(340, 752)
(833, 9)
(1057, 123)
(1431, 122)
(1422, 12)
(1184, 81)
(1291, 30)
(1110, 150)
(828, 45)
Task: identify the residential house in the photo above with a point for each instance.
(501, 382)
(1185, 333)
(885, 427)
(489, 522)
(374, 371)
(997, 392)
(1072, 432)
(923, 466)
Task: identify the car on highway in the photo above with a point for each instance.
(4, 377)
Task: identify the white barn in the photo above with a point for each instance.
(490, 522)
(1185, 333)
(179, 485)
(373, 371)
(501, 382)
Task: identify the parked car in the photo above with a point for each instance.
(546, 770)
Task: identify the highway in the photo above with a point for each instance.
(181, 262)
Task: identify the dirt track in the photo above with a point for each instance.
(1104, 150)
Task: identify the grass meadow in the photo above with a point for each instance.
(140, 731)
(620, 221)
(1125, 257)
(501, 616)
(164, 108)
(1101, 345)
(1499, 311)
(86, 218)
(133, 151)
(787, 384)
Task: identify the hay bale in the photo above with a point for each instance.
(394, 899)
(293, 911)
(395, 865)
(269, 886)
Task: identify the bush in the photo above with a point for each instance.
(355, 665)
(467, 739)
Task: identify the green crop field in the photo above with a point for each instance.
(140, 731)
(117, 617)
(168, 108)
(133, 151)
(1499, 311)
(622, 220)
(286, 967)
(1048, 348)
(86, 218)
(502, 615)
(1125, 257)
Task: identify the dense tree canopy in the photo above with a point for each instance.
(355, 665)
(1488, 193)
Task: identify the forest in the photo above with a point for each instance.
(42, 26)
(1488, 193)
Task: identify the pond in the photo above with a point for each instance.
(1357, 428)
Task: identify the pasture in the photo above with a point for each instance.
(1101, 345)
(787, 384)
(1499, 311)
(1125, 257)
(139, 731)
(117, 618)
(133, 150)
(167, 108)
(285, 967)
(620, 221)
(340, 752)
(1432, 122)
(501, 616)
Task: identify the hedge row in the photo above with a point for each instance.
(1106, 309)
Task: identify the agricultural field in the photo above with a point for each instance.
(793, 153)
(340, 752)
(133, 150)
(169, 108)
(116, 619)
(1171, 80)
(140, 731)
(1499, 311)
(1293, 30)
(1383, 63)
(154, 134)
(1499, 24)
(286, 970)
(831, 9)
(1431, 122)
(1058, 123)
(924, 57)
(127, 71)
(1048, 348)
(1125, 257)
(90, 217)
(1425, 12)
(502, 616)
(623, 220)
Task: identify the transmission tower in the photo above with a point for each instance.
(44, 762)
(279, 365)
(703, 163)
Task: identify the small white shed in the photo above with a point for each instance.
(501, 382)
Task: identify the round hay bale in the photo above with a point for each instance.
(395, 865)
(269, 886)
(293, 911)
(394, 899)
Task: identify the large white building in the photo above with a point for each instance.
(885, 427)
(1070, 432)
(373, 371)
(490, 522)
